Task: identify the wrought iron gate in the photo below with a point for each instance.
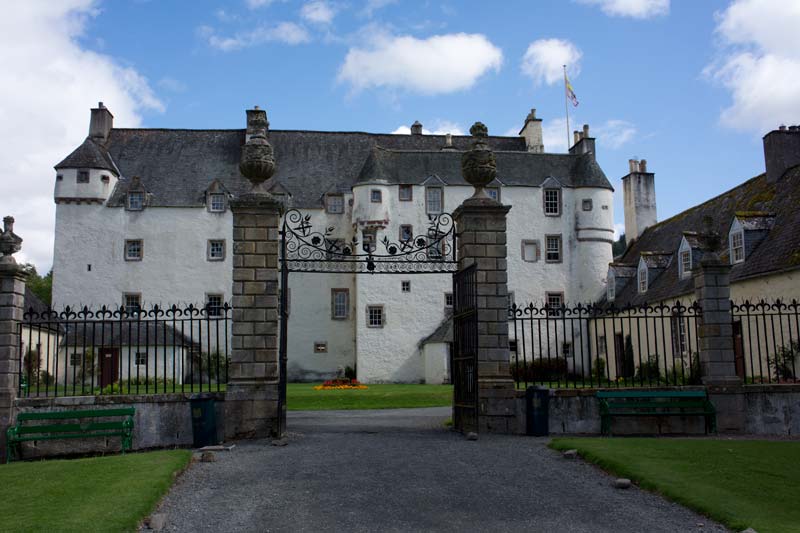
(465, 350)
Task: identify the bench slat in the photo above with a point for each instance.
(652, 394)
(62, 415)
(652, 405)
(67, 428)
(71, 436)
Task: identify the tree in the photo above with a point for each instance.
(619, 246)
(41, 286)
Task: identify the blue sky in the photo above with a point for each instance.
(689, 85)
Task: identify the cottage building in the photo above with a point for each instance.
(142, 218)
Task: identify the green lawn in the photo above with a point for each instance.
(739, 483)
(303, 397)
(95, 494)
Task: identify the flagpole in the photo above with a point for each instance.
(566, 104)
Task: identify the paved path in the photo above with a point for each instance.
(401, 470)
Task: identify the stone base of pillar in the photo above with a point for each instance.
(251, 411)
(729, 402)
(496, 405)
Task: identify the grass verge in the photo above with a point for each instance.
(303, 397)
(739, 483)
(109, 493)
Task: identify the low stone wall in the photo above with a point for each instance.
(161, 421)
(769, 410)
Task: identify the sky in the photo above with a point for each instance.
(689, 85)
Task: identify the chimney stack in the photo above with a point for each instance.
(639, 197)
(781, 151)
(416, 128)
(583, 143)
(100, 123)
(532, 133)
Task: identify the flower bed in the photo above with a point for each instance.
(341, 384)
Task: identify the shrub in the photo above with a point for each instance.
(599, 369)
(349, 372)
(649, 370)
(783, 362)
(540, 370)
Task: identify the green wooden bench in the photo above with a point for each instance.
(70, 425)
(655, 403)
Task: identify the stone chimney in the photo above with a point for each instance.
(416, 128)
(781, 151)
(584, 144)
(256, 122)
(100, 123)
(532, 133)
(639, 197)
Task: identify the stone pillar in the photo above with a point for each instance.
(715, 327)
(12, 304)
(252, 407)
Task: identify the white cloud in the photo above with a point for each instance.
(172, 85)
(614, 133)
(284, 32)
(619, 229)
(440, 127)
(47, 86)
(374, 5)
(554, 135)
(760, 63)
(638, 9)
(544, 60)
(255, 4)
(437, 65)
(318, 12)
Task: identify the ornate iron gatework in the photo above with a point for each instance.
(309, 249)
(465, 350)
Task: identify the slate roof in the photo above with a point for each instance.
(177, 166)
(443, 333)
(34, 303)
(778, 252)
(88, 155)
(113, 334)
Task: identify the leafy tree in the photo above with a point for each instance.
(618, 248)
(41, 286)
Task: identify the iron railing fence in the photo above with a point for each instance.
(124, 351)
(604, 346)
(766, 340)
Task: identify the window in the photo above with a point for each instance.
(134, 250)
(686, 263)
(140, 359)
(216, 202)
(214, 305)
(678, 335)
(566, 349)
(132, 302)
(433, 200)
(552, 202)
(59, 177)
(375, 196)
(369, 240)
(135, 201)
(586, 205)
(340, 304)
(555, 301)
(553, 248)
(334, 204)
(216, 250)
(105, 179)
(611, 289)
(435, 248)
(448, 299)
(737, 247)
(643, 280)
(405, 286)
(601, 346)
(493, 192)
(320, 347)
(75, 359)
(406, 232)
(375, 316)
(406, 193)
(83, 176)
(530, 251)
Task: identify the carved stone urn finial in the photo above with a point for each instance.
(257, 163)
(478, 165)
(711, 239)
(10, 243)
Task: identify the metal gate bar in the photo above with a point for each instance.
(465, 350)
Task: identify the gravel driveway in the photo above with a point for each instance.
(402, 470)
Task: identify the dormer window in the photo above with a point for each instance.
(494, 193)
(216, 202)
(685, 264)
(552, 202)
(611, 289)
(334, 204)
(135, 201)
(642, 279)
(737, 247)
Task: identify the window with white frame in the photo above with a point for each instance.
(406, 232)
(340, 304)
(375, 316)
(75, 359)
(434, 200)
(405, 286)
(530, 251)
(132, 302)
(334, 204)
(140, 359)
(216, 250)
(555, 302)
(448, 299)
(601, 346)
(642, 279)
(566, 349)
(678, 327)
(135, 201)
(493, 192)
(406, 193)
(737, 247)
(552, 202)
(83, 176)
(686, 263)
(216, 202)
(553, 249)
(134, 250)
(368, 240)
(214, 305)
(375, 196)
